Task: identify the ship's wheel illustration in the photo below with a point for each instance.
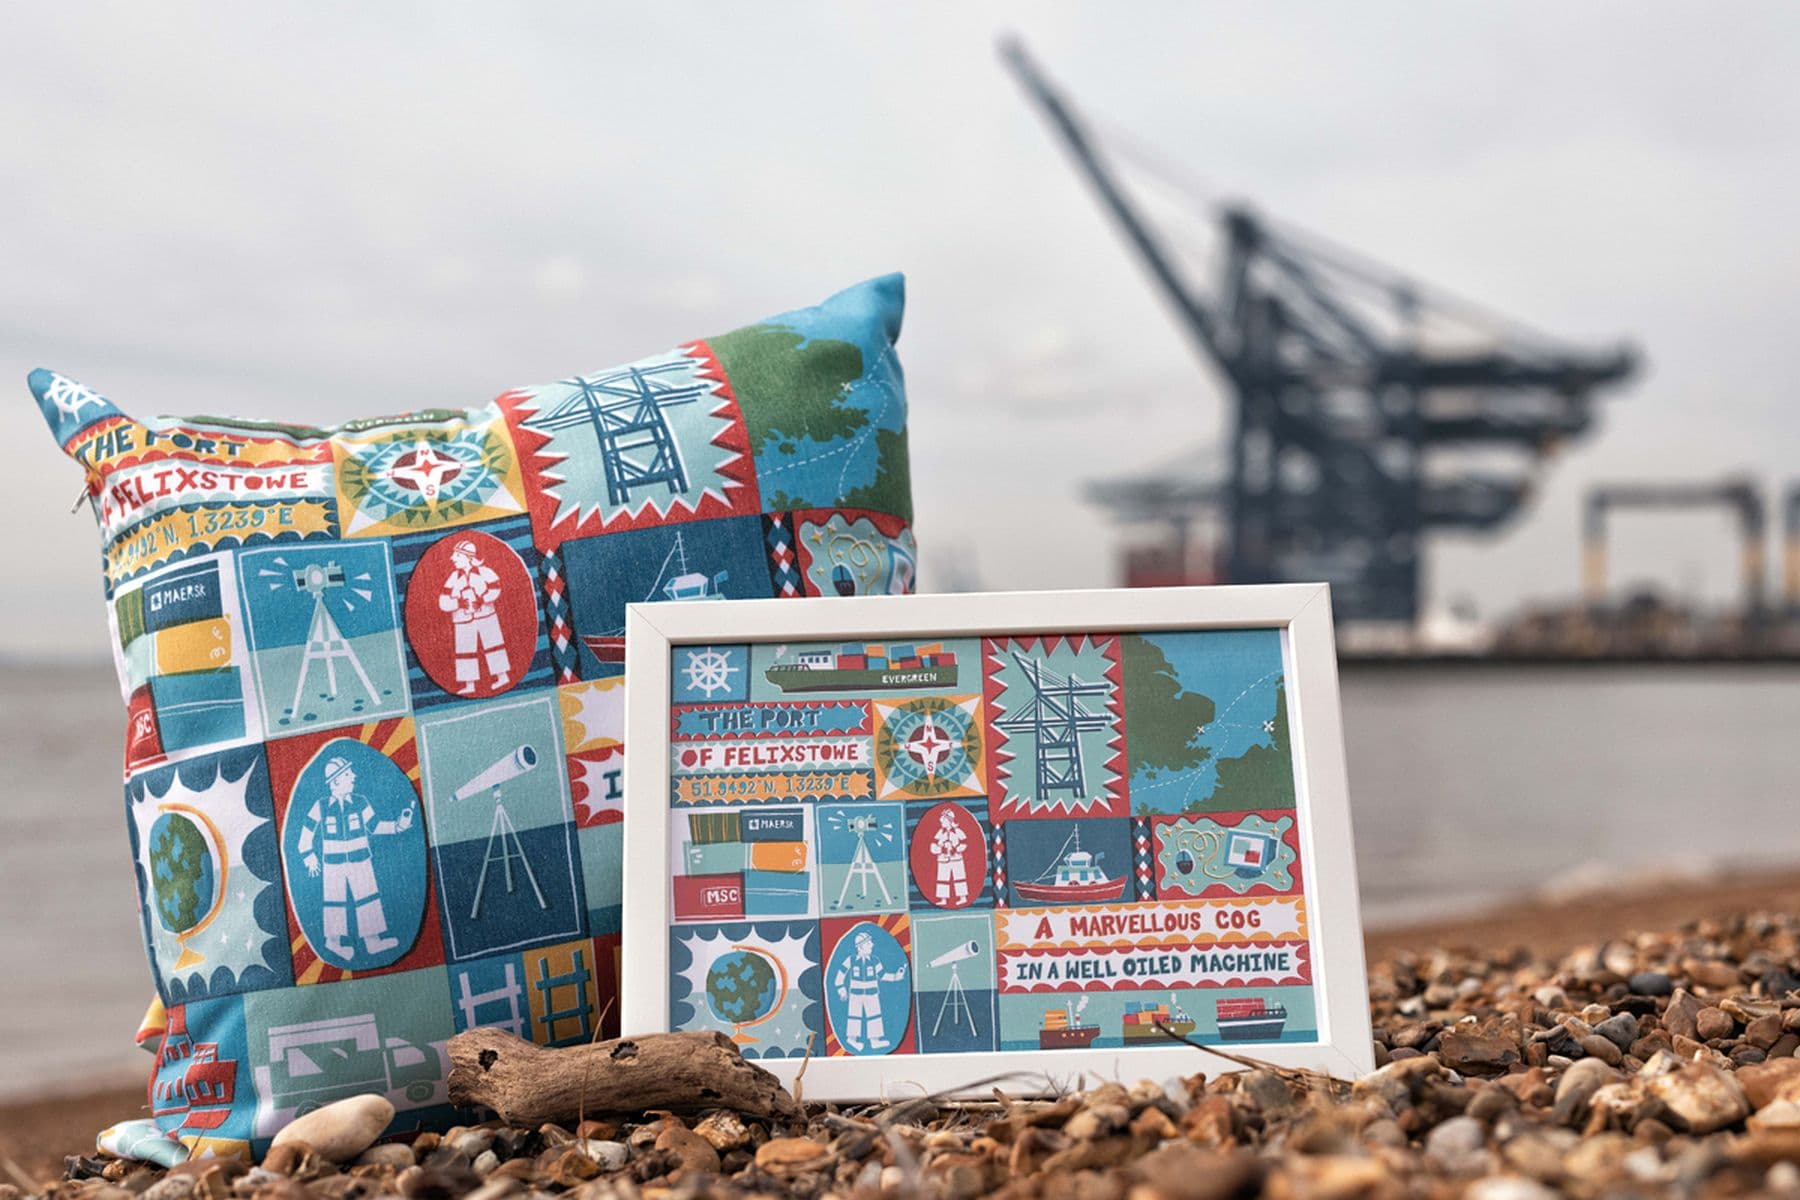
(709, 671)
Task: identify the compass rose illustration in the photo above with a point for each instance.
(424, 469)
(928, 746)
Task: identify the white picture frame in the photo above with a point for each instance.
(1302, 614)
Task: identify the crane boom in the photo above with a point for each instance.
(1346, 423)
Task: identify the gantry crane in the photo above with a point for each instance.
(1741, 496)
(1349, 406)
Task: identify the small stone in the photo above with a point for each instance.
(485, 1163)
(789, 1155)
(473, 1142)
(1711, 973)
(694, 1152)
(1508, 1187)
(1577, 1085)
(1604, 1049)
(1266, 1090)
(1712, 1023)
(610, 1155)
(495, 1189)
(1650, 983)
(1764, 1031)
(1472, 1051)
(389, 1154)
(724, 1130)
(1621, 1030)
(1678, 1017)
(340, 1131)
(1701, 1097)
(1551, 997)
(292, 1158)
(1457, 1145)
(1746, 1010)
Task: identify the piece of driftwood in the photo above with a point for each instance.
(528, 1085)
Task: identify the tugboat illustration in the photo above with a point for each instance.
(1251, 1019)
(191, 1078)
(1078, 878)
(1062, 1028)
(1145, 1022)
(683, 584)
(863, 665)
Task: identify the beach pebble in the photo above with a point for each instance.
(789, 1155)
(1508, 1187)
(390, 1154)
(1458, 1145)
(1577, 1086)
(694, 1152)
(610, 1155)
(1711, 1023)
(1650, 983)
(1621, 1030)
(1701, 1097)
(342, 1130)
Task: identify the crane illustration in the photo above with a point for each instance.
(626, 409)
(1056, 718)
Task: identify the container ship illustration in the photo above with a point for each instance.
(1073, 877)
(191, 1078)
(677, 584)
(1145, 1022)
(865, 665)
(1251, 1019)
(1062, 1028)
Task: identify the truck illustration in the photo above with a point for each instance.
(316, 1062)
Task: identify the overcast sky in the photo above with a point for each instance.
(326, 210)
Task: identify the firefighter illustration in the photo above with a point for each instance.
(948, 846)
(470, 592)
(334, 843)
(858, 981)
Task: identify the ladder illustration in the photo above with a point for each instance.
(625, 409)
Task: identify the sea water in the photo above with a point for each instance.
(1470, 786)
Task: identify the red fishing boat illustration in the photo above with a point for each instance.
(1073, 877)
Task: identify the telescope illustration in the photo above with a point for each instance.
(508, 768)
(956, 1003)
(503, 845)
(326, 644)
(956, 954)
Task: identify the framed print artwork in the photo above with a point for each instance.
(917, 842)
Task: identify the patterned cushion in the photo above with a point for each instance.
(373, 685)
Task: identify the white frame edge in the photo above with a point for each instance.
(1303, 611)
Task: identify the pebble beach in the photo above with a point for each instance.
(1524, 1054)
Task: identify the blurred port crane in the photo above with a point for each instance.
(1370, 409)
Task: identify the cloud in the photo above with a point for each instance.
(326, 210)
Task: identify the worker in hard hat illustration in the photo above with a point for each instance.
(334, 843)
(948, 845)
(858, 981)
(470, 592)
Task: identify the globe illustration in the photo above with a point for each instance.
(741, 987)
(181, 872)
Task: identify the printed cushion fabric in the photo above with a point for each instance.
(372, 677)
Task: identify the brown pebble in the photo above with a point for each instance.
(1601, 1048)
(1713, 1023)
(1764, 1031)
(694, 1152)
(790, 1155)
